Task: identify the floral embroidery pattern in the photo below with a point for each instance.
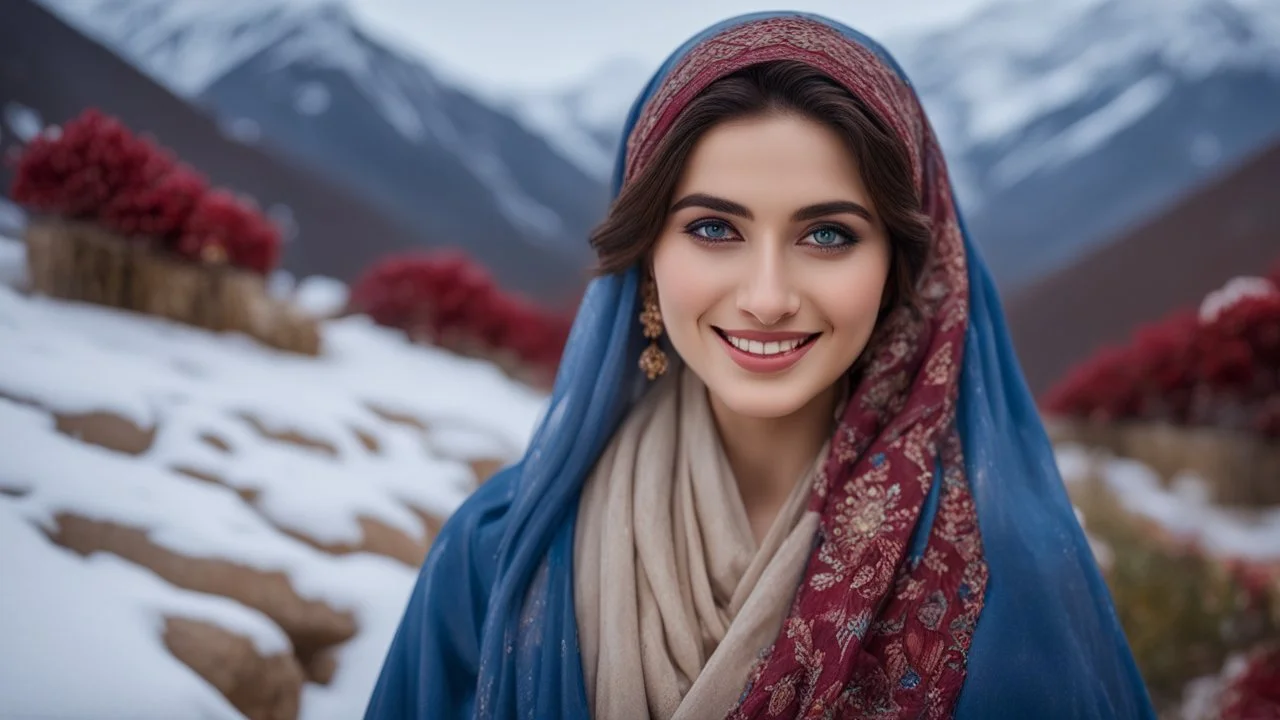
(871, 633)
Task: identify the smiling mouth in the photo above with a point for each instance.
(757, 345)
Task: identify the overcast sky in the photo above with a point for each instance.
(546, 43)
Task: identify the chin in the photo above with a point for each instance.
(762, 399)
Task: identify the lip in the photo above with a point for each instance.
(766, 364)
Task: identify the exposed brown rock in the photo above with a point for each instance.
(310, 624)
(484, 468)
(370, 442)
(323, 666)
(263, 688)
(249, 495)
(215, 441)
(376, 537)
(107, 430)
(396, 417)
(100, 428)
(290, 436)
(431, 522)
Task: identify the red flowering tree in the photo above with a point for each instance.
(78, 170)
(224, 228)
(95, 170)
(1221, 370)
(1254, 693)
(447, 299)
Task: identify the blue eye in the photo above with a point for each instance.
(712, 230)
(830, 238)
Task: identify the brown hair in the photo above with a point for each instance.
(639, 213)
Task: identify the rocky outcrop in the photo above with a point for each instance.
(263, 688)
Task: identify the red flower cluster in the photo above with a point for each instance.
(1254, 694)
(447, 299)
(78, 171)
(1224, 372)
(224, 228)
(95, 170)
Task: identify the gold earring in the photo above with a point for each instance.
(653, 361)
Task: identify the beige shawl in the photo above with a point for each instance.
(674, 599)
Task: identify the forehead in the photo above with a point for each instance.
(780, 157)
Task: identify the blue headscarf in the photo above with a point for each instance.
(490, 629)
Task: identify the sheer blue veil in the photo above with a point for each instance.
(490, 632)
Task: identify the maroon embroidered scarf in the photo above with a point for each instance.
(872, 632)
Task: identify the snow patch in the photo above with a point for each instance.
(22, 120)
(1183, 509)
(241, 129)
(312, 98)
(1233, 292)
(1088, 133)
(84, 636)
(321, 296)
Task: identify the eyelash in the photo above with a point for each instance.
(851, 238)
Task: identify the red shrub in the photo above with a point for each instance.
(1164, 358)
(76, 172)
(447, 299)
(1255, 693)
(224, 228)
(161, 210)
(1103, 388)
(95, 170)
(1183, 370)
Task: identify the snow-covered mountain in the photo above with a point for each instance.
(584, 121)
(305, 78)
(1068, 121)
(1064, 121)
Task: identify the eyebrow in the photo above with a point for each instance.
(808, 212)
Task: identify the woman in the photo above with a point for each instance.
(828, 494)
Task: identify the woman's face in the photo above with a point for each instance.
(772, 265)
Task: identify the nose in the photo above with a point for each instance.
(767, 292)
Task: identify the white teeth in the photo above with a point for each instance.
(756, 347)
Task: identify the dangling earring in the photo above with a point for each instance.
(653, 361)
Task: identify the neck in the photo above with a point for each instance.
(769, 456)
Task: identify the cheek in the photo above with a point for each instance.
(685, 290)
(852, 301)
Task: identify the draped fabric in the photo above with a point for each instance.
(673, 594)
(949, 575)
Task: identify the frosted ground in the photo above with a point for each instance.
(395, 428)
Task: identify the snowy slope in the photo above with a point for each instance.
(1013, 64)
(583, 121)
(187, 44)
(81, 636)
